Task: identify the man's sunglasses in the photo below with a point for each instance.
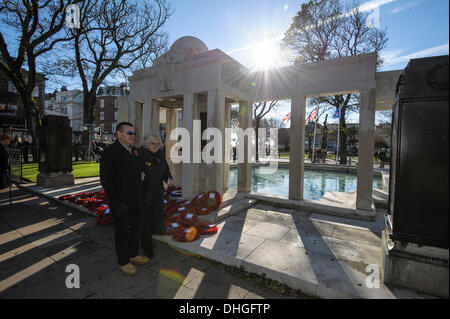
(129, 132)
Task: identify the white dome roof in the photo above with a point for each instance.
(187, 46)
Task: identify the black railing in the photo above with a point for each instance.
(16, 163)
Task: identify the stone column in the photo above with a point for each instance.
(245, 169)
(145, 121)
(228, 153)
(190, 170)
(297, 148)
(171, 124)
(216, 119)
(137, 119)
(366, 149)
(154, 117)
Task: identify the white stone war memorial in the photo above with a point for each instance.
(205, 83)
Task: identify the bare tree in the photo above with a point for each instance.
(325, 29)
(30, 30)
(260, 110)
(114, 38)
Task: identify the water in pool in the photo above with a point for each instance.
(317, 182)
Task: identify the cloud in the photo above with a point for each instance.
(404, 7)
(394, 57)
(371, 5)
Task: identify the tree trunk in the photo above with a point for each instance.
(257, 123)
(308, 132)
(343, 141)
(325, 134)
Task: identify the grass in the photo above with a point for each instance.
(79, 170)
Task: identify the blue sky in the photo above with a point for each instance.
(413, 26)
(416, 28)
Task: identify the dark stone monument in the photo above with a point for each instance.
(415, 242)
(55, 152)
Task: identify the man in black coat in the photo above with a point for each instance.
(121, 176)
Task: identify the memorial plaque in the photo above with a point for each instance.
(418, 196)
(55, 151)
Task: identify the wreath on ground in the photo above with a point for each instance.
(182, 222)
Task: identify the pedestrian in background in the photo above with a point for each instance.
(121, 176)
(5, 169)
(383, 157)
(25, 149)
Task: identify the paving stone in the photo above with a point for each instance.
(15, 248)
(292, 238)
(306, 226)
(282, 261)
(4, 228)
(268, 231)
(180, 267)
(114, 284)
(164, 288)
(41, 227)
(72, 249)
(27, 270)
(229, 243)
(54, 238)
(93, 264)
(80, 223)
(375, 226)
(53, 288)
(356, 235)
(101, 234)
(218, 285)
(238, 224)
(9, 238)
(283, 219)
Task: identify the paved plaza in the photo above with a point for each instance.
(39, 238)
(316, 255)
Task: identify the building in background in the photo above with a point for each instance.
(106, 110)
(67, 103)
(12, 112)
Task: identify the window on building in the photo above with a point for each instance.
(102, 128)
(11, 87)
(102, 116)
(35, 92)
(115, 102)
(115, 116)
(113, 126)
(102, 103)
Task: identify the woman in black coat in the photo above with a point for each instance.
(156, 172)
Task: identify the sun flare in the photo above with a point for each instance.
(266, 56)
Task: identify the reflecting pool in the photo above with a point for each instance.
(317, 182)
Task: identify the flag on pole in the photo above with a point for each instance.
(287, 117)
(311, 116)
(337, 114)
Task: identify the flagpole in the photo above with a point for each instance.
(339, 130)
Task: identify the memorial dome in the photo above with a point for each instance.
(187, 47)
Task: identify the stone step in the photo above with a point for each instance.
(231, 208)
(323, 206)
